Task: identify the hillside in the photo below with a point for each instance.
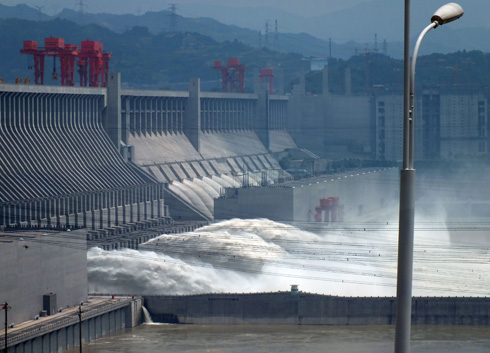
(306, 36)
(144, 59)
(460, 68)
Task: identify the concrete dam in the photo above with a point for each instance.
(105, 158)
(112, 159)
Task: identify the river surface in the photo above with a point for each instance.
(243, 256)
(151, 338)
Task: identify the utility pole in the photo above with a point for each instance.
(6, 307)
(80, 326)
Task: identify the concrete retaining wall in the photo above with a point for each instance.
(64, 333)
(286, 308)
(33, 265)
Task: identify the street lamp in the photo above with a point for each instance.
(447, 13)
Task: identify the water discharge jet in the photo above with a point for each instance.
(261, 255)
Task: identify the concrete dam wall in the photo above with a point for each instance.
(360, 194)
(288, 308)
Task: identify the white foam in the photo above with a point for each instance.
(261, 255)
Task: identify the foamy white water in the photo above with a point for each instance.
(261, 255)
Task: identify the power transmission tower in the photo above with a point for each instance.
(267, 33)
(173, 17)
(276, 38)
(375, 42)
(80, 8)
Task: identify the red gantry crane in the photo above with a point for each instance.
(232, 76)
(329, 210)
(266, 74)
(91, 60)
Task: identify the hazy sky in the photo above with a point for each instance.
(301, 7)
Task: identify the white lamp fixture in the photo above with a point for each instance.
(447, 13)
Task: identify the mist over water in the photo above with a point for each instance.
(261, 255)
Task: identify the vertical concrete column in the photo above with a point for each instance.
(116, 207)
(146, 120)
(262, 117)
(182, 113)
(107, 196)
(158, 196)
(138, 191)
(131, 201)
(192, 116)
(212, 115)
(17, 214)
(30, 208)
(85, 208)
(112, 122)
(92, 201)
(126, 122)
(76, 200)
(226, 115)
(205, 115)
(101, 210)
(39, 212)
(124, 193)
(221, 109)
(144, 194)
(57, 210)
(325, 86)
(48, 212)
(8, 215)
(165, 116)
(170, 115)
(4, 220)
(66, 201)
(3, 214)
(152, 199)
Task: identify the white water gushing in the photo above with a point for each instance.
(261, 255)
(147, 316)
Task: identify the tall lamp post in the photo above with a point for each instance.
(443, 15)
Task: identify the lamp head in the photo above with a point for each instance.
(447, 13)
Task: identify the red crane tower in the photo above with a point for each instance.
(268, 75)
(91, 59)
(232, 75)
(56, 48)
(31, 47)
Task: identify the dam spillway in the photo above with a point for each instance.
(102, 158)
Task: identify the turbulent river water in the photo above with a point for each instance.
(288, 339)
(261, 255)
